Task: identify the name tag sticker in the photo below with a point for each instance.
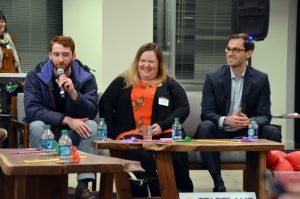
(163, 101)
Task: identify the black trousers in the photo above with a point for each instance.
(208, 130)
(180, 164)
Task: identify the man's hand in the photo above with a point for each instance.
(78, 125)
(237, 120)
(68, 86)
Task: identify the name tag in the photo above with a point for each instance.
(7, 46)
(163, 101)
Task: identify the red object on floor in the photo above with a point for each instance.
(294, 159)
(272, 157)
(283, 165)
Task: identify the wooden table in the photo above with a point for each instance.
(255, 159)
(48, 180)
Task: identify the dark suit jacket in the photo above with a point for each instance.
(255, 100)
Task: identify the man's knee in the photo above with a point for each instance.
(271, 132)
(94, 128)
(206, 129)
(36, 129)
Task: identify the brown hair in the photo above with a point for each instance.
(131, 75)
(248, 41)
(63, 40)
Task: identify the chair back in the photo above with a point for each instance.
(20, 108)
(192, 121)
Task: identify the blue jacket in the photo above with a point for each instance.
(39, 95)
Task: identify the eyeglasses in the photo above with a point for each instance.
(64, 54)
(233, 50)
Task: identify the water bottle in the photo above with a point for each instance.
(253, 130)
(47, 143)
(176, 130)
(102, 130)
(65, 150)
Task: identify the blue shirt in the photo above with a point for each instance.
(237, 83)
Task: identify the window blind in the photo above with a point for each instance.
(202, 30)
(34, 24)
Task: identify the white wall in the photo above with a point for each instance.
(108, 33)
(83, 22)
(126, 26)
(276, 56)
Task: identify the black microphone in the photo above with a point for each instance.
(60, 72)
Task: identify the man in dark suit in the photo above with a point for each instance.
(232, 94)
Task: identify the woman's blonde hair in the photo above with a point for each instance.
(131, 75)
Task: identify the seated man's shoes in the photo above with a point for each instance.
(220, 188)
(3, 134)
(83, 192)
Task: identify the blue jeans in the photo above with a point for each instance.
(83, 144)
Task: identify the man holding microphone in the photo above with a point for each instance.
(61, 92)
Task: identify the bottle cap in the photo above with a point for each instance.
(47, 127)
(176, 119)
(102, 119)
(64, 132)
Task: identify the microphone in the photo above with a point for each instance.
(60, 72)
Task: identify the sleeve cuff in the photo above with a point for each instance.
(221, 122)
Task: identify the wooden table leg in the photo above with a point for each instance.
(34, 187)
(166, 175)
(106, 186)
(254, 174)
(7, 188)
(123, 187)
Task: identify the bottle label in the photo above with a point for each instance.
(102, 134)
(47, 144)
(65, 150)
(176, 133)
(251, 132)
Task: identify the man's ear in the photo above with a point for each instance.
(249, 54)
(74, 56)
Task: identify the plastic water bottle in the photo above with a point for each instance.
(253, 130)
(65, 150)
(47, 142)
(102, 130)
(176, 130)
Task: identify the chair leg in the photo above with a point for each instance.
(26, 135)
(94, 183)
(14, 137)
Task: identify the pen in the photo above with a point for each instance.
(38, 161)
(223, 141)
(25, 152)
